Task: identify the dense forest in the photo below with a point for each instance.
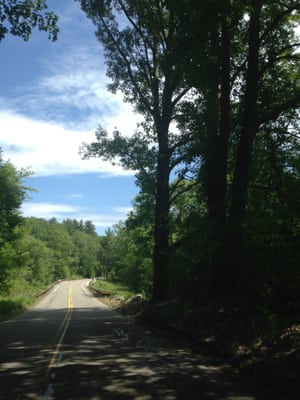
(217, 159)
(35, 252)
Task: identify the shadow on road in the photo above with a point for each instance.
(105, 356)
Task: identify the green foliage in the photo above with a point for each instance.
(8, 261)
(110, 255)
(12, 194)
(38, 259)
(144, 58)
(137, 153)
(19, 18)
(72, 247)
(8, 306)
(73, 225)
(246, 172)
(191, 248)
(226, 73)
(87, 254)
(35, 252)
(272, 229)
(45, 251)
(126, 256)
(141, 48)
(114, 287)
(270, 273)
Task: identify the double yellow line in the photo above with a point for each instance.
(62, 329)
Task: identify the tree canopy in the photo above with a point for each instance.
(12, 194)
(18, 18)
(143, 57)
(226, 76)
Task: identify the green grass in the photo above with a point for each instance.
(114, 287)
(10, 306)
(19, 297)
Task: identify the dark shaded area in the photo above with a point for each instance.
(263, 347)
(26, 345)
(9, 307)
(106, 356)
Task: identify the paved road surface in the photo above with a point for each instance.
(71, 346)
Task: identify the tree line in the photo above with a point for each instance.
(35, 252)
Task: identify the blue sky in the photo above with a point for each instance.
(53, 96)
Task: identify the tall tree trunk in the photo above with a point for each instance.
(210, 158)
(249, 128)
(224, 131)
(249, 122)
(161, 231)
(218, 123)
(161, 252)
(222, 278)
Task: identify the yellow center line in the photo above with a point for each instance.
(70, 300)
(63, 328)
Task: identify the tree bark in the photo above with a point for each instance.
(218, 124)
(224, 282)
(249, 122)
(161, 231)
(210, 90)
(222, 279)
(224, 131)
(161, 252)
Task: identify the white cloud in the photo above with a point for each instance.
(122, 210)
(55, 99)
(47, 210)
(44, 121)
(75, 81)
(72, 96)
(47, 148)
(71, 90)
(103, 220)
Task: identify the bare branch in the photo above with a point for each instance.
(272, 114)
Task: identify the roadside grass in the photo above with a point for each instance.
(10, 306)
(19, 297)
(113, 287)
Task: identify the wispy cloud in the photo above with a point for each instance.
(43, 125)
(76, 196)
(122, 210)
(44, 121)
(53, 103)
(69, 87)
(47, 210)
(71, 92)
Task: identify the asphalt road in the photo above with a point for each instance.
(71, 346)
